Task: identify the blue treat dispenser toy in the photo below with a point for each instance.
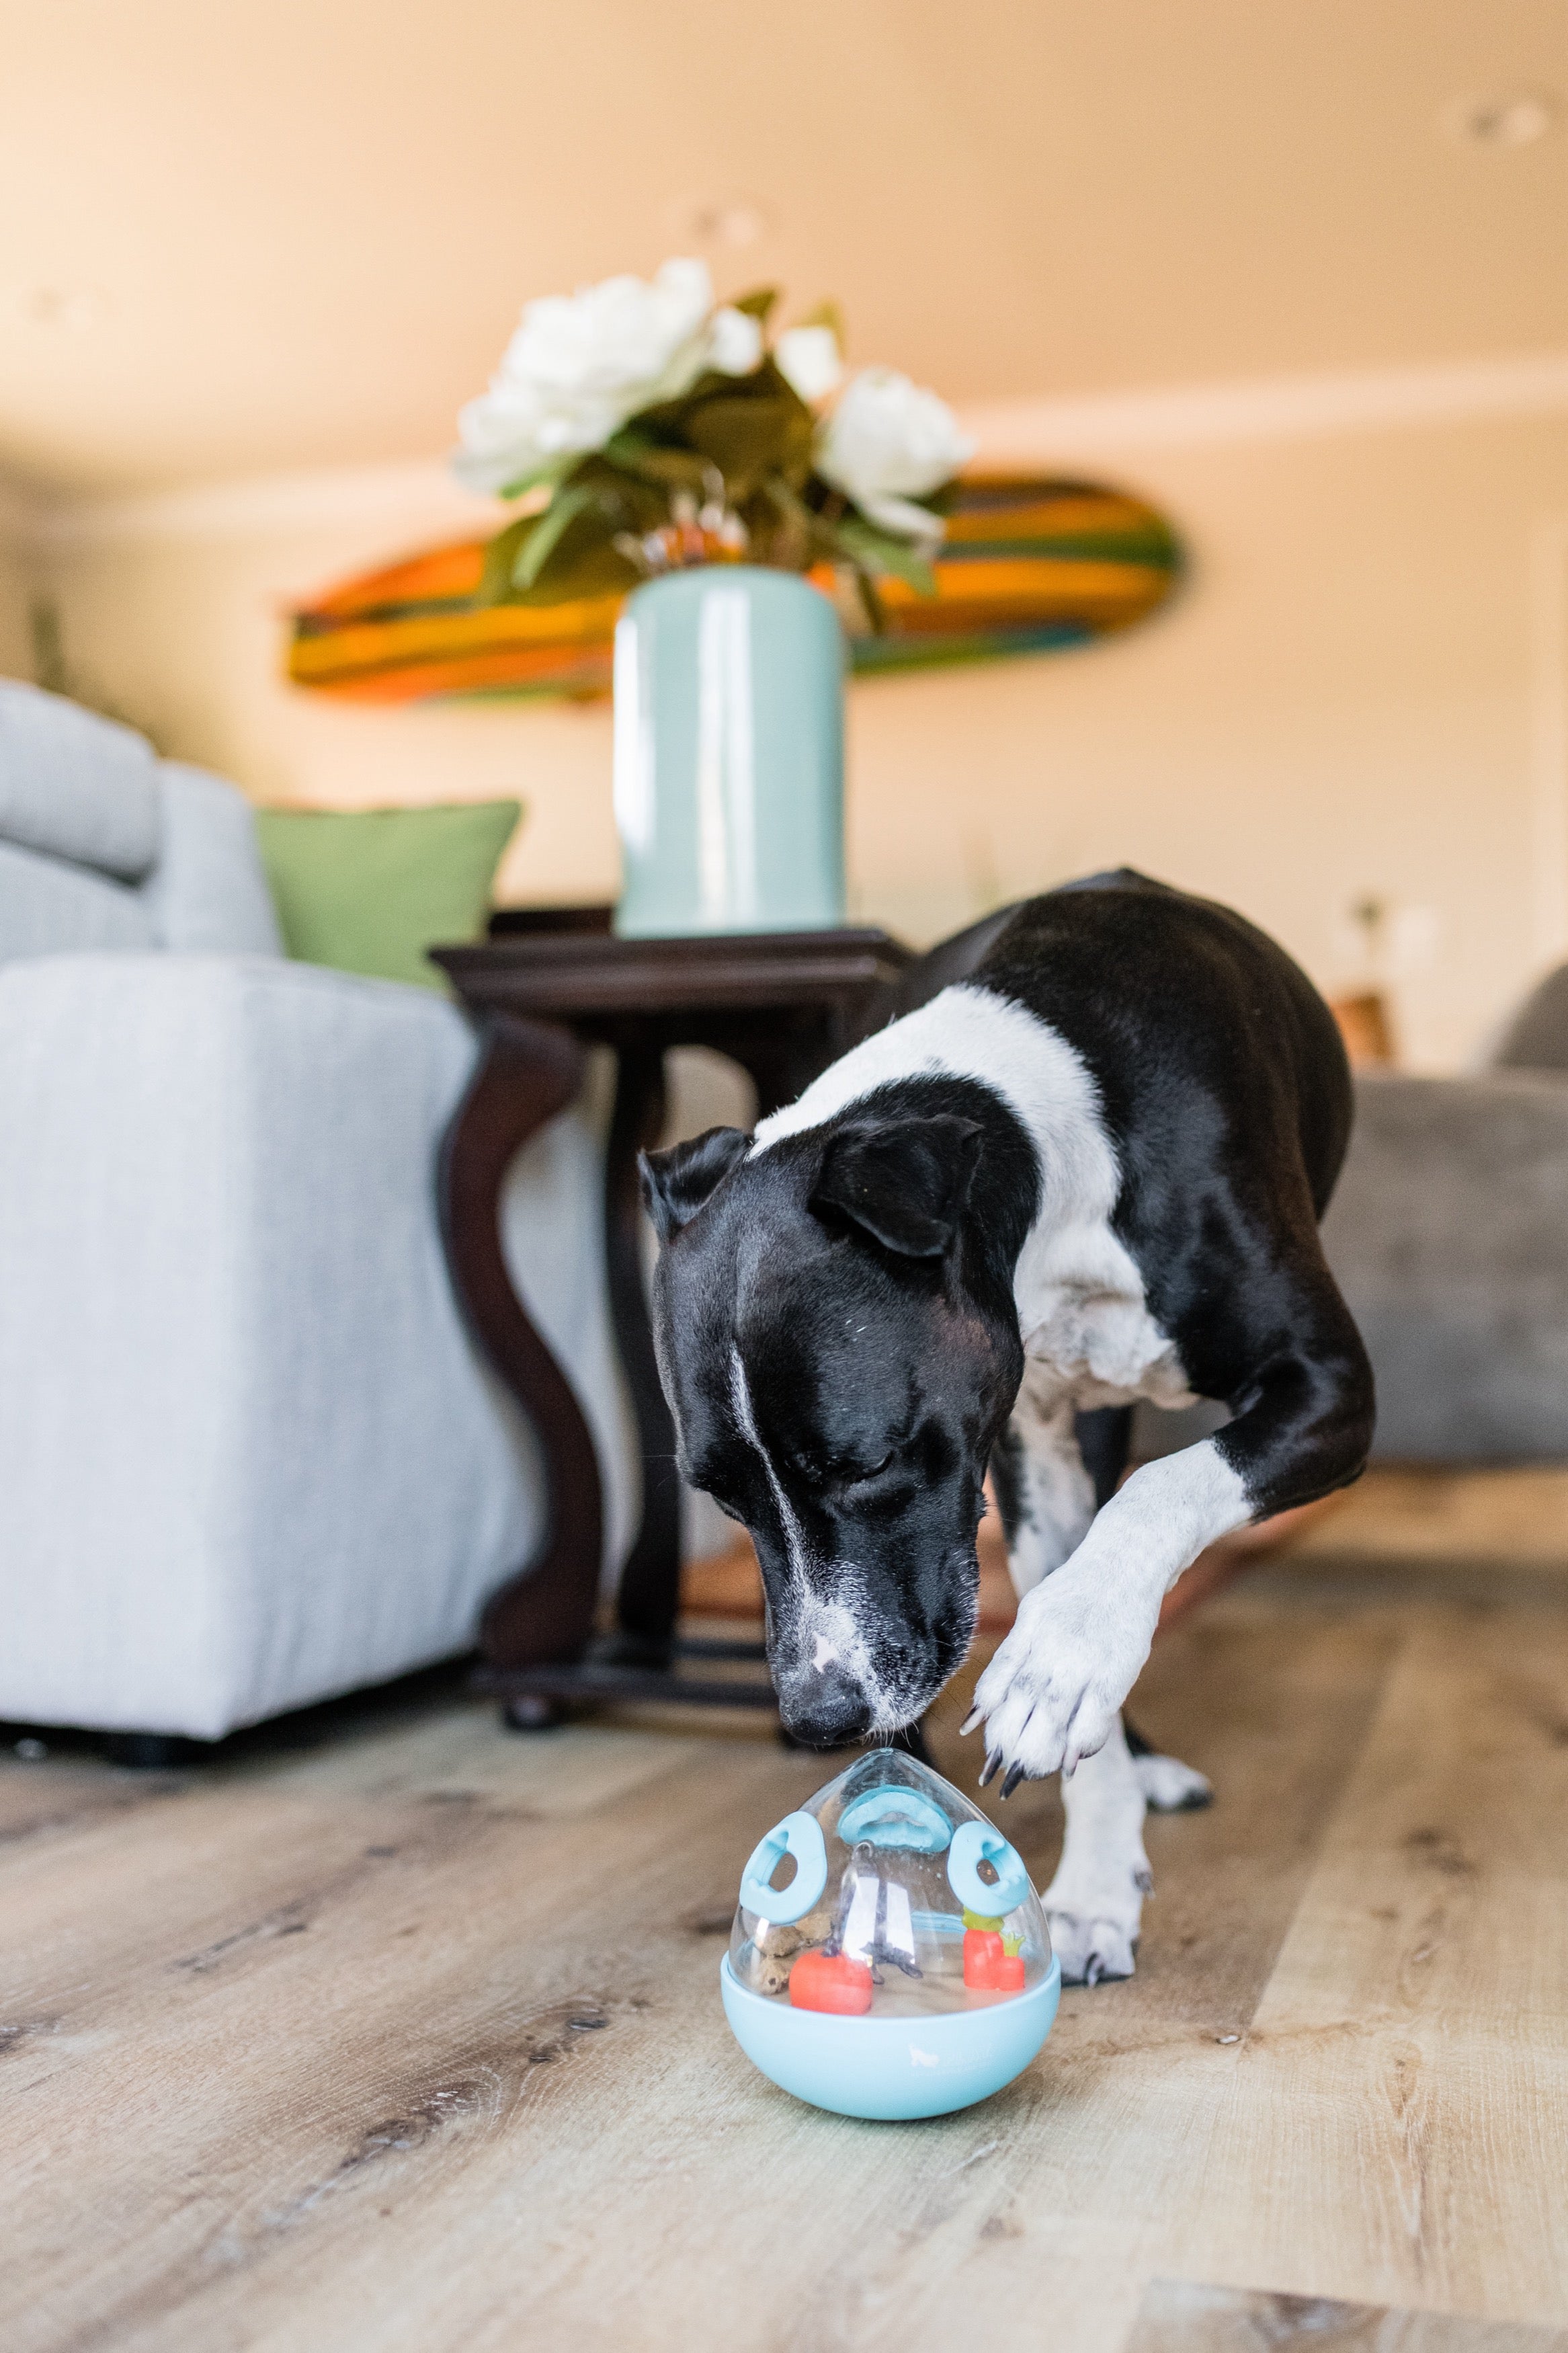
(903, 1967)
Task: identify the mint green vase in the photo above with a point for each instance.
(729, 754)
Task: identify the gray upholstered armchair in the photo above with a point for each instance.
(247, 1457)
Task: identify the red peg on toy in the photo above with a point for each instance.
(987, 1967)
(831, 1981)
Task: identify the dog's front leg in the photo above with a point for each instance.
(1054, 1688)
(1095, 1903)
(1044, 1493)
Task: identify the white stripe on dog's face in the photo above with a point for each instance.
(746, 1423)
(822, 1632)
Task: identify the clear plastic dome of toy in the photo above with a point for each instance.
(904, 1902)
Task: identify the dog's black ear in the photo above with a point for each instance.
(903, 1180)
(675, 1183)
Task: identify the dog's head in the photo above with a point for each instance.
(838, 1340)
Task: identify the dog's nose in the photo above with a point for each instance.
(824, 1708)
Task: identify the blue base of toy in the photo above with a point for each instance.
(891, 2067)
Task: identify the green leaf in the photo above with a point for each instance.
(548, 529)
(495, 580)
(827, 314)
(554, 470)
(757, 303)
(871, 550)
(587, 566)
(622, 492)
(569, 550)
(876, 611)
(813, 530)
(655, 461)
(670, 424)
(747, 438)
(788, 500)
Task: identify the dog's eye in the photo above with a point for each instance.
(841, 1471)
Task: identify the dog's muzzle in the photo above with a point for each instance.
(824, 1706)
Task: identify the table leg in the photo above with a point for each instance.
(649, 1594)
(526, 1073)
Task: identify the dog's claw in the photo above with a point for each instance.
(988, 1771)
(970, 1721)
(1014, 1775)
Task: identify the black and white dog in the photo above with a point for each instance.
(1086, 1170)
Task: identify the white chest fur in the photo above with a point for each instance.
(1081, 1309)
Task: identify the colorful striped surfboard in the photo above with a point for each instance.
(1028, 566)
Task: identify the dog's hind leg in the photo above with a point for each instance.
(1169, 1786)
(1043, 1491)
(1104, 1438)
(1095, 1903)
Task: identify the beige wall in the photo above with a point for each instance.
(1360, 692)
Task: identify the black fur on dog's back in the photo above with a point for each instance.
(1224, 1086)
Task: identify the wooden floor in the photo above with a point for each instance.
(412, 2040)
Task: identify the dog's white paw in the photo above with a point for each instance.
(1093, 1948)
(1170, 1787)
(1050, 1695)
(1094, 1901)
(1094, 1905)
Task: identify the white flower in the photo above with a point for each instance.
(734, 341)
(580, 364)
(807, 358)
(887, 443)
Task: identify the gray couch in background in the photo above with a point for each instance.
(1449, 1233)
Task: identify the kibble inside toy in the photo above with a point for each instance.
(904, 1968)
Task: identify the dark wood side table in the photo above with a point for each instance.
(782, 1006)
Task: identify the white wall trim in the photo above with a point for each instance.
(420, 494)
(1271, 408)
(1549, 739)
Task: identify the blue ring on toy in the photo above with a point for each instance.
(891, 2067)
(798, 1834)
(894, 1815)
(973, 1843)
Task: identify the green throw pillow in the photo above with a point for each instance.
(370, 889)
